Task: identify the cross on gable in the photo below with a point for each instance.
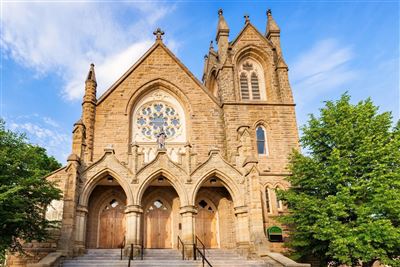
(246, 18)
(158, 33)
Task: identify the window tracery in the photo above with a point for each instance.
(251, 79)
(154, 116)
(158, 110)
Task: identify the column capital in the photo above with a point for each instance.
(133, 209)
(188, 209)
(241, 210)
(82, 209)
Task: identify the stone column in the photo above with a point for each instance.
(80, 232)
(188, 221)
(67, 238)
(133, 163)
(132, 219)
(242, 230)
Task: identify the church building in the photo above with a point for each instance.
(162, 159)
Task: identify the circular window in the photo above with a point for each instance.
(154, 116)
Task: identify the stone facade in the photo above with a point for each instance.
(213, 151)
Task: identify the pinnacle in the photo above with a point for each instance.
(272, 27)
(91, 74)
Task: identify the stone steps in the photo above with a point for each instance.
(161, 258)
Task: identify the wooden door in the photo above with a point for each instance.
(112, 225)
(206, 222)
(158, 226)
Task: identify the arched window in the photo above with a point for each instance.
(252, 85)
(255, 89)
(244, 86)
(261, 135)
(268, 199)
(279, 205)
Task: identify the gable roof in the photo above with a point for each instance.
(157, 44)
(247, 26)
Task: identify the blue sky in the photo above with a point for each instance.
(46, 48)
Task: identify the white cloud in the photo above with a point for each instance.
(65, 38)
(323, 67)
(44, 132)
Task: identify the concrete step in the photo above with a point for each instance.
(160, 258)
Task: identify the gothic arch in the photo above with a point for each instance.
(227, 181)
(260, 56)
(212, 82)
(175, 183)
(158, 84)
(91, 183)
(254, 52)
(263, 123)
(164, 85)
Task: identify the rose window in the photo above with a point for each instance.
(152, 117)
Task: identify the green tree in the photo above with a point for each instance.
(24, 193)
(344, 203)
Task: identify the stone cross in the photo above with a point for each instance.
(246, 18)
(158, 33)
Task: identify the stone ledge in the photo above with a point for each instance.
(283, 260)
(52, 259)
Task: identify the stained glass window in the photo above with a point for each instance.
(154, 116)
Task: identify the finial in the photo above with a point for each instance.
(269, 12)
(246, 18)
(205, 57)
(220, 12)
(211, 45)
(158, 33)
(91, 74)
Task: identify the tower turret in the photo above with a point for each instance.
(273, 32)
(89, 111)
(222, 36)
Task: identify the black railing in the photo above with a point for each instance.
(201, 252)
(122, 246)
(130, 256)
(142, 249)
(180, 243)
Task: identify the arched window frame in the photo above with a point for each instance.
(278, 203)
(268, 202)
(257, 70)
(266, 148)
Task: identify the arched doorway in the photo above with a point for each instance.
(106, 215)
(158, 224)
(206, 223)
(112, 225)
(215, 219)
(161, 218)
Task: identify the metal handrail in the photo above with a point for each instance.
(122, 246)
(203, 257)
(183, 247)
(142, 249)
(202, 244)
(130, 256)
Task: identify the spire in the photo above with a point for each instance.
(272, 27)
(88, 112)
(222, 29)
(91, 74)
